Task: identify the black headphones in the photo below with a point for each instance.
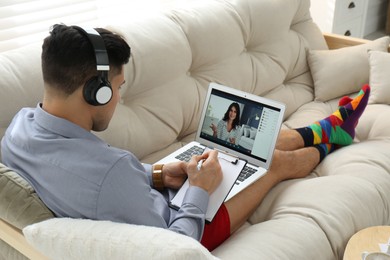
(97, 90)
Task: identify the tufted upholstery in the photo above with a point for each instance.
(209, 41)
(16, 75)
(182, 52)
(258, 46)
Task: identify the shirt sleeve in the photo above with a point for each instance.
(127, 196)
(236, 132)
(148, 171)
(220, 129)
(193, 208)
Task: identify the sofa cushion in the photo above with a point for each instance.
(21, 81)
(162, 104)
(342, 71)
(19, 204)
(88, 239)
(379, 77)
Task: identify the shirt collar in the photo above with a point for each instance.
(61, 126)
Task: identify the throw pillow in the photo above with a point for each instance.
(66, 238)
(379, 77)
(19, 204)
(342, 71)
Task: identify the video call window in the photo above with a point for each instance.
(255, 128)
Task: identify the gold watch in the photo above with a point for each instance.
(157, 177)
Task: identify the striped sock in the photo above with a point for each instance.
(324, 149)
(338, 128)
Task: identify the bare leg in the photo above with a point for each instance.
(289, 140)
(291, 160)
(286, 165)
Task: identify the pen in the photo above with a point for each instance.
(199, 164)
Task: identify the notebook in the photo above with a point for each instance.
(246, 151)
(231, 168)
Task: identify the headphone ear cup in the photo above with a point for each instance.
(104, 92)
(97, 92)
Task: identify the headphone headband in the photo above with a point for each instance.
(102, 62)
(97, 90)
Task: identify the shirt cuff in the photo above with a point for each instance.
(197, 197)
(149, 171)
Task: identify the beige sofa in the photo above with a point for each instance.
(267, 47)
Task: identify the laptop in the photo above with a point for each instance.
(254, 139)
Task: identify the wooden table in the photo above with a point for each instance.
(367, 239)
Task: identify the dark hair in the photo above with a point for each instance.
(236, 121)
(68, 58)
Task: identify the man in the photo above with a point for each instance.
(78, 175)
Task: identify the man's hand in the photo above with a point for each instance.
(209, 176)
(174, 174)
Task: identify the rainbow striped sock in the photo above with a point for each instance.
(325, 149)
(338, 128)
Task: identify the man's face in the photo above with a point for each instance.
(104, 113)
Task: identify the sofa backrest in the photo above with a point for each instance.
(258, 46)
(21, 83)
(255, 45)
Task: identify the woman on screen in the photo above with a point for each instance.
(228, 128)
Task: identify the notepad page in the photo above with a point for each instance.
(230, 175)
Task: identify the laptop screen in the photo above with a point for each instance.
(240, 123)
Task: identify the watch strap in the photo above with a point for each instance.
(157, 176)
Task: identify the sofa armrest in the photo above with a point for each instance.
(15, 238)
(336, 41)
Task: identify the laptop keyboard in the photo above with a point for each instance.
(186, 155)
(245, 174)
(196, 150)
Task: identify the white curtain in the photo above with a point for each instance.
(27, 21)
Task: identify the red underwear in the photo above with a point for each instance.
(217, 231)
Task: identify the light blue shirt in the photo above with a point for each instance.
(78, 175)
